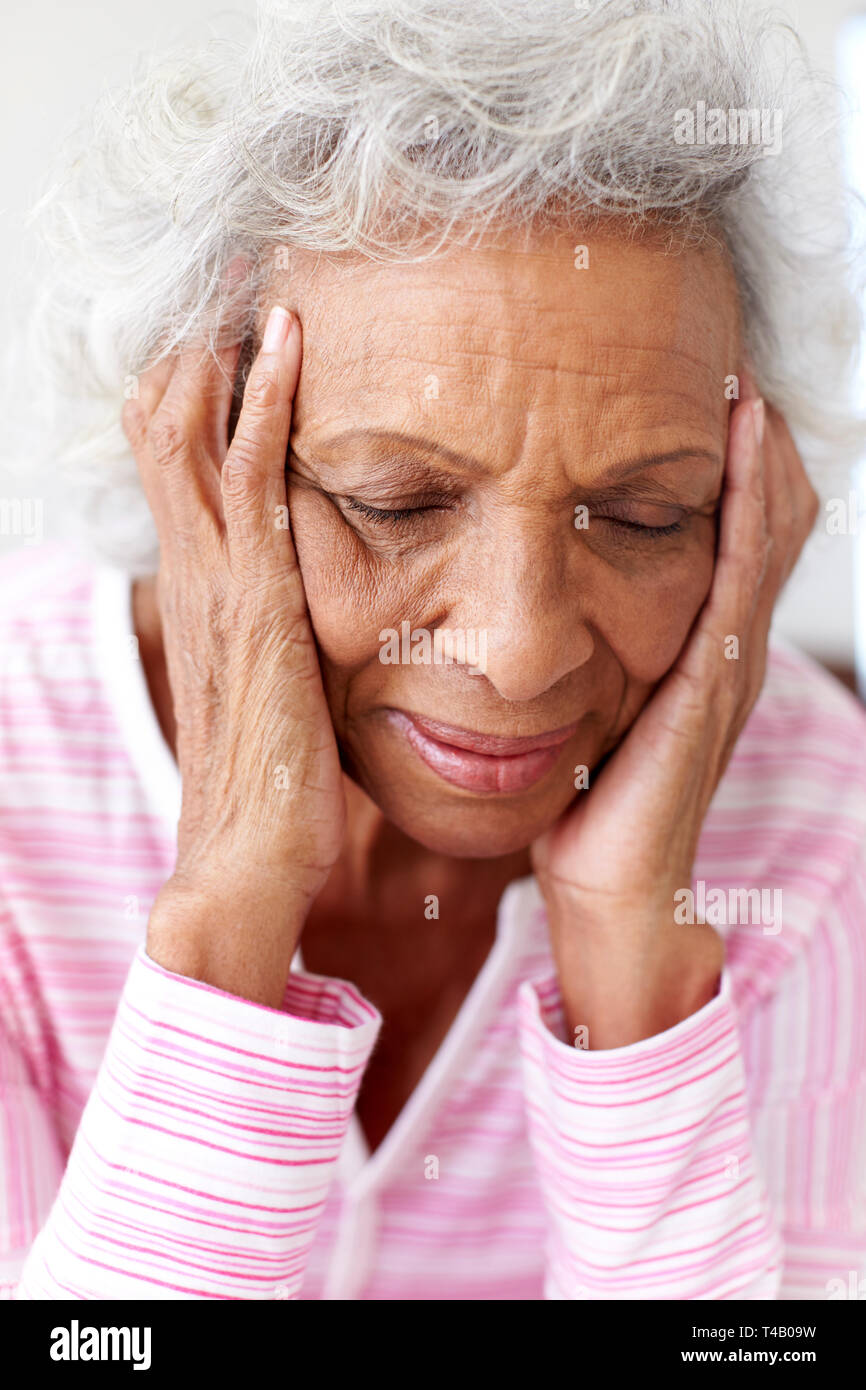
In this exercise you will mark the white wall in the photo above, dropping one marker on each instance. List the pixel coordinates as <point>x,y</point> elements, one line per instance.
<point>817,609</point>
<point>56,59</point>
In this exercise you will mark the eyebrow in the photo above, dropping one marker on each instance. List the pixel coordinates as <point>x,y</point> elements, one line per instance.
<point>392,440</point>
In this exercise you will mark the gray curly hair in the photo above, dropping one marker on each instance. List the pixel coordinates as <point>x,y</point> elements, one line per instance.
<point>390,128</point>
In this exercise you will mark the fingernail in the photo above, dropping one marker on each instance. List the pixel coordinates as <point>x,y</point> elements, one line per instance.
<point>758,418</point>
<point>276,329</point>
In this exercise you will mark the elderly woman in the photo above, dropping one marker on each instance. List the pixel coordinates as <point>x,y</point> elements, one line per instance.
<point>419,882</point>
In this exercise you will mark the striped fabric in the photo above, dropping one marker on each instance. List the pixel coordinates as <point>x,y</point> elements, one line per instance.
<point>163,1139</point>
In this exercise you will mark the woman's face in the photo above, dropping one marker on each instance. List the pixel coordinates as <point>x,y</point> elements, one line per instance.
<point>451,416</point>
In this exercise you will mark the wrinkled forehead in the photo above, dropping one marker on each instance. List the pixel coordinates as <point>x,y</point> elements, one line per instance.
<point>555,318</point>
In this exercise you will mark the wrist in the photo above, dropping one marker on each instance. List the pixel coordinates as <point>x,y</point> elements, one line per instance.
<point>237,938</point>
<point>633,973</point>
<point>593,909</point>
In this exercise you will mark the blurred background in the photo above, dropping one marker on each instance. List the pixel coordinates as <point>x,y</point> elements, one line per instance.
<point>56,60</point>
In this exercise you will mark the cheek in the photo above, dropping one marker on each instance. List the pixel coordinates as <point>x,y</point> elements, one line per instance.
<point>351,594</point>
<point>648,614</point>
<point>642,607</point>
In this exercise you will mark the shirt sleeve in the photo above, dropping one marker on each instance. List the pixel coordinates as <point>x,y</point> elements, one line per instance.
<point>205,1151</point>
<point>722,1158</point>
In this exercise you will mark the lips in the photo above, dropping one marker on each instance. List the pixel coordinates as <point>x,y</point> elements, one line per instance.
<point>482,763</point>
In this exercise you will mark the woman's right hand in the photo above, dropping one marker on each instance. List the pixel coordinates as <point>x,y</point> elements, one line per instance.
<point>263,808</point>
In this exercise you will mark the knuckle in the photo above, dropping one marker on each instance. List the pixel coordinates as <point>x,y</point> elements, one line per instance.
<point>754,568</point>
<point>237,473</point>
<point>764,558</point>
<point>167,440</point>
<point>263,389</point>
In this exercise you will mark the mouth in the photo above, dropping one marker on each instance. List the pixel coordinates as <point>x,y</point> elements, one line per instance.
<point>482,763</point>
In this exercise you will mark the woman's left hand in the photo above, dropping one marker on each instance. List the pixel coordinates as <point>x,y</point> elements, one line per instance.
<point>611,865</point>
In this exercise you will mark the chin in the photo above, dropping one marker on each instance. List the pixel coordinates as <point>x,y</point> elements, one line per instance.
<point>466,828</point>
<point>481,842</point>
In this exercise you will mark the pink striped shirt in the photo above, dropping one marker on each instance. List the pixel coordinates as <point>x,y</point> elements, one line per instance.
<point>163,1139</point>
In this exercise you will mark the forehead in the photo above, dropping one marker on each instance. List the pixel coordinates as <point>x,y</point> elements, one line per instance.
<point>632,327</point>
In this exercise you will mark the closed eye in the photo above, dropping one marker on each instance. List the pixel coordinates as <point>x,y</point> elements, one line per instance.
<point>650,531</point>
<point>394,515</point>
<point>383,515</point>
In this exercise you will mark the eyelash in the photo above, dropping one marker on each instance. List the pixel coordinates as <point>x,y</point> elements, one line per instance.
<point>378,514</point>
<point>655,532</point>
<point>404,513</point>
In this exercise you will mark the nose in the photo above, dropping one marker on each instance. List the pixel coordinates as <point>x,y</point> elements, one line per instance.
<point>525,601</point>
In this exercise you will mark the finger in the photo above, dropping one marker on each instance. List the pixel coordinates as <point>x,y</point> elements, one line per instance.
<point>791,506</point>
<point>744,541</point>
<point>779,513</point>
<point>199,392</point>
<point>198,396</point>
<point>139,406</point>
<point>136,416</point>
<point>792,502</point>
<point>185,442</point>
<point>152,384</point>
<point>748,383</point>
<point>253,477</point>
<point>804,499</point>
<point>779,503</point>
<point>734,675</point>
<point>179,429</point>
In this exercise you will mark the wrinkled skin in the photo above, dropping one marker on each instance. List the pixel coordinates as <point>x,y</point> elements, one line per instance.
<point>555,380</point>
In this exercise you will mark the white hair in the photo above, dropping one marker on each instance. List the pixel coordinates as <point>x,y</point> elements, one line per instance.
<point>391,128</point>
